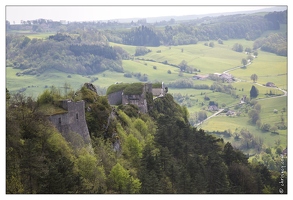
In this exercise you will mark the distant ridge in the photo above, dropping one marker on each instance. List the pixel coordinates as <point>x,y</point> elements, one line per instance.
<point>190,17</point>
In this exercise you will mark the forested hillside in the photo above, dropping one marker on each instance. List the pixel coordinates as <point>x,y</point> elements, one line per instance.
<point>129,152</point>
<point>86,53</point>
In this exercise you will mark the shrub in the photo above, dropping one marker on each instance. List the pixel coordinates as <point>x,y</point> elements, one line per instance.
<point>128,75</point>
<point>265,127</point>
<point>211,44</point>
<point>206,98</point>
<point>45,97</point>
<point>140,51</point>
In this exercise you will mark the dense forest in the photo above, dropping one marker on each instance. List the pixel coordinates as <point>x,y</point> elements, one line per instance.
<point>83,48</point>
<point>129,152</point>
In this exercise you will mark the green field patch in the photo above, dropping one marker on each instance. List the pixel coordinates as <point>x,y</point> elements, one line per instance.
<point>246,87</point>
<point>197,97</point>
<point>34,85</point>
<point>154,75</point>
<point>268,67</point>
<point>129,48</point>
<point>207,59</point>
<point>268,106</point>
<point>33,35</point>
<point>222,123</point>
<point>40,35</point>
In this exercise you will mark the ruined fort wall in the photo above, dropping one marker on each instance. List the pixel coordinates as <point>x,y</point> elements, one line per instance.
<point>73,120</point>
<point>115,98</point>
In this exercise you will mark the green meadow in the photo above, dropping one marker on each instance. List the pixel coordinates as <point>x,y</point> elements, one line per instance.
<point>267,115</point>
<point>207,59</point>
<point>197,96</point>
<point>147,67</point>
<point>33,35</point>
<point>35,85</point>
<point>268,67</point>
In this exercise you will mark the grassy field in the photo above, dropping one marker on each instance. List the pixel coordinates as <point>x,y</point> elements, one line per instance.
<point>207,59</point>
<point>222,122</point>
<point>197,96</point>
<point>37,84</point>
<point>269,105</point>
<point>130,49</point>
<point>158,74</point>
<point>31,35</point>
<point>268,67</point>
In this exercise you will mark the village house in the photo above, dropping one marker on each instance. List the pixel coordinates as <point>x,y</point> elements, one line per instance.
<point>231,113</point>
<point>213,108</point>
<point>226,77</point>
<point>199,77</point>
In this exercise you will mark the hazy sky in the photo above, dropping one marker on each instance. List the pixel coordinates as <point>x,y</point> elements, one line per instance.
<point>91,13</point>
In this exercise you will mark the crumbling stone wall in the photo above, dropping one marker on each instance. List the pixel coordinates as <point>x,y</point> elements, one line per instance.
<point>73,120</point>
<point>138,100</point>
<point>115,98</point>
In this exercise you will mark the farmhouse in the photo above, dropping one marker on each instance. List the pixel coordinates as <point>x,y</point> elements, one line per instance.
<point>243,99</point>
<point>230,113</point>
<point>226,77</point>
<point>199,77</point>
<point>213,108</point>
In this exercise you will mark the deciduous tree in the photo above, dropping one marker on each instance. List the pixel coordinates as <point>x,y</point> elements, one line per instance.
<point>254,77</point>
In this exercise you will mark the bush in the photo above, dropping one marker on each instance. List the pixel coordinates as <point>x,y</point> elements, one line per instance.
<point>265,127</point>
<point>211,44</point>
<point>202,115</point>
<point>181,83</point>
<point>140,51</point>
<point>46,97</point>
<point>268,150</point>
<point>128,75</point>
<point>143,77</point>
<point>206,98</point>
<point>169,71</point>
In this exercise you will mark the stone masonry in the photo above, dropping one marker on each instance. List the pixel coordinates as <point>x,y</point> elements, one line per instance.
<point>73,120</point>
